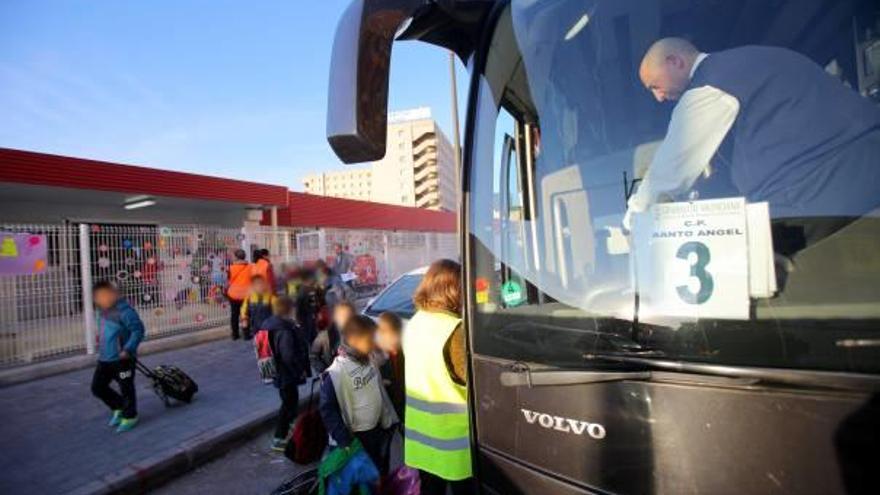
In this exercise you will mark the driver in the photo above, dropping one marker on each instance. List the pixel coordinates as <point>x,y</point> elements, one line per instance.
<point>798,138</point>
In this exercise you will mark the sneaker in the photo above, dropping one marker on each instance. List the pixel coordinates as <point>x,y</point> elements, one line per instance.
<point>278,444</point>
<point>115,418</point>
<point>126,424</point>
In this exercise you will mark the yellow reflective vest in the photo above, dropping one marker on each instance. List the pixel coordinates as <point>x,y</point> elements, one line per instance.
<point>436,437</point>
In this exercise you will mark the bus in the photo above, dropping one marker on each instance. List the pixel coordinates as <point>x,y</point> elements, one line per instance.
<point>723,337</point>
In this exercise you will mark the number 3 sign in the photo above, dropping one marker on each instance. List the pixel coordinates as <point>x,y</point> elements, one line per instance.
<point>692,260</point>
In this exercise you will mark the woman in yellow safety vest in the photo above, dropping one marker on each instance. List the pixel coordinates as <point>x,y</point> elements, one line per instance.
<point>436,437</point>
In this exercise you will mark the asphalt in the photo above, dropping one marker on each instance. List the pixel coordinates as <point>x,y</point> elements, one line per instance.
<point>249,469</point>
<point>54,437</point>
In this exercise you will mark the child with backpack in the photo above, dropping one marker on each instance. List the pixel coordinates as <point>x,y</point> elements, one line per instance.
<point>354,404</point>
<point>120,332</point>
<point>257,308</point>
<point>290,355</point>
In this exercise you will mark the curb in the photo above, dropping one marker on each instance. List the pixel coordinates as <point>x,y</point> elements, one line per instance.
<point>157,469</point>
<point>35,371</point>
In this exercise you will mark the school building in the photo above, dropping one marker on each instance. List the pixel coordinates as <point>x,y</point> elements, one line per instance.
<point>166,237</point>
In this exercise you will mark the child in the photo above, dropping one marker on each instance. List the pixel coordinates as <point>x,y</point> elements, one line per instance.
<point>257,307</point>
<point>308,305</point>
<point>292,280</point>
<point>353,401</point>
<point>388,339</point>
<point>327,342</point>
<point>120,331</point>
<point>291,356</point>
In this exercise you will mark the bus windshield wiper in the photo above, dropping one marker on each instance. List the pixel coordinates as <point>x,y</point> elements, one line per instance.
<point>646,367</point>
<point>521,374</point>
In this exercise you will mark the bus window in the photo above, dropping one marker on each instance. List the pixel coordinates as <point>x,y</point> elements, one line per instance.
<point>643,180</point>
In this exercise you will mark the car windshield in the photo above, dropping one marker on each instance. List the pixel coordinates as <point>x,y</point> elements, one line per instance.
<point>397,298</point>
<point>696,178</point>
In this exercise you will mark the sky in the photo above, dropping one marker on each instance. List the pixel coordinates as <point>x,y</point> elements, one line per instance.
<point>225,88</point>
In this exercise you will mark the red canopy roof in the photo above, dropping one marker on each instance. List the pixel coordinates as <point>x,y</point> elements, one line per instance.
<point>295,209</point>
<point>308,210</point>
<point>27,167</point>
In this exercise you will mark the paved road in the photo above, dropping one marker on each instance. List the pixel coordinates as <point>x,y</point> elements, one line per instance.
<point>53,433</point>
<point>251,469</point>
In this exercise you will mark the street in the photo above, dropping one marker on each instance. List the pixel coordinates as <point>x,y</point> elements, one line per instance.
<point>249,469</point>
<point>54,433</point>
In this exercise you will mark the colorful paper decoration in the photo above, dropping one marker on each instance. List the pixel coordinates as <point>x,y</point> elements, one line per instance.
<point>158,312</point>
<point>129,261</point>
<point>151,261</point>
<point>103,248</point>
<point>200,317</point>
<point>148,245</point>
<point>103,262</point>
<point>136,274</point>
<point>122,275</point>
<point>126,243</point>
<point>22,254</point>
<point>146,297</point>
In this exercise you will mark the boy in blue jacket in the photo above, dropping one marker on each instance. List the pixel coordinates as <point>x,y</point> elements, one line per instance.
<point>120,331</point>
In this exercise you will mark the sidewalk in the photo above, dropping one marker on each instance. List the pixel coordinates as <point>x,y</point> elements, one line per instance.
<point>53,433</point>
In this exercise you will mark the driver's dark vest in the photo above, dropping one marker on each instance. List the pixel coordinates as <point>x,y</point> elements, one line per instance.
<point>802,140</point>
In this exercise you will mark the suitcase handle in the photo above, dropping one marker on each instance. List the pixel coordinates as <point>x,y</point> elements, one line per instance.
<point>143,368</point>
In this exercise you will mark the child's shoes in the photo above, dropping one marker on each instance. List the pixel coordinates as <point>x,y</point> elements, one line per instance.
<point>115,418</point>
<point>278,444</point>
<point>126,424</point>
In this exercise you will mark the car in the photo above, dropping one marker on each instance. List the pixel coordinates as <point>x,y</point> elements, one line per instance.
<point>398,296</point>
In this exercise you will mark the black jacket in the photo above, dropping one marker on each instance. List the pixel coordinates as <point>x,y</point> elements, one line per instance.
<point>290,351</point>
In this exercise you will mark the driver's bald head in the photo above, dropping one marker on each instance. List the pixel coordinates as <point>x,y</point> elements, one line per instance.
<point>669,46</point>
<point>665,68</point>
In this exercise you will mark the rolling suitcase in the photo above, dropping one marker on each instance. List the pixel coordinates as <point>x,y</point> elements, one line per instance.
<point>169,382</point>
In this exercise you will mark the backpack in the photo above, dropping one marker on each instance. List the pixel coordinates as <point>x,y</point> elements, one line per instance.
<point>308,437</point>
<point>265,359</point>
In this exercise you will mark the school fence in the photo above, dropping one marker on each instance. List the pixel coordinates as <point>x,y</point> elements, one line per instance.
<point>174,275</point>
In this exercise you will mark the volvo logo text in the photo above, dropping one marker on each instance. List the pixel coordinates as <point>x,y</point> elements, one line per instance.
<point>565,425</point>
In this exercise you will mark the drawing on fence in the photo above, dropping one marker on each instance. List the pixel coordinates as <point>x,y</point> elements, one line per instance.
<point>22,253</point>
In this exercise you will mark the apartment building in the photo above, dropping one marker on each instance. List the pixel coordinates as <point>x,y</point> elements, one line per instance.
<point>418,168</point>
<point>354,183</point>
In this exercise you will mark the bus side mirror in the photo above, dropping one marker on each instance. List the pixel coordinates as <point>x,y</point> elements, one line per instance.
<point>357,104</point>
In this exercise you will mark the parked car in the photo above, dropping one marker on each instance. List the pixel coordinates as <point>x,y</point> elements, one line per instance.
<point>397,297</point>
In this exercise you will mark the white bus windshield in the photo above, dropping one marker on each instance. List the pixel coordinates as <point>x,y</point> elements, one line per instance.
<point>695,180</point>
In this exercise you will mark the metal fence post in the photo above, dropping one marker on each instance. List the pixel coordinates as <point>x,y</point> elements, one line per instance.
<point>322,245</point>
<point>387,247</point>
<point>85,270</point>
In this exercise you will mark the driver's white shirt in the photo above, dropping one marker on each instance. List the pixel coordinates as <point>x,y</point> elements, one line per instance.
<point>699,122</point>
